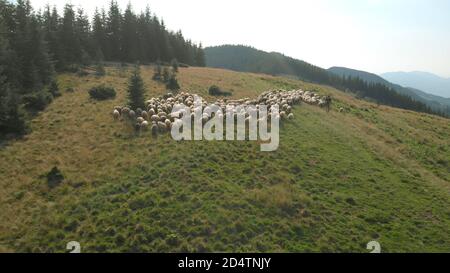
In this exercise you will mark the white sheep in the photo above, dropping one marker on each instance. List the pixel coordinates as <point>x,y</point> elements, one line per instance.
<point>116,114</point>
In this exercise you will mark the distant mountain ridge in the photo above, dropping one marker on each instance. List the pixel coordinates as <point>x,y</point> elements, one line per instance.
<point>363,85</point>
<point>425,81</point>
<point>436,103</point>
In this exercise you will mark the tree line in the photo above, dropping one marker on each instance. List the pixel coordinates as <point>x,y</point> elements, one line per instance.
<point>34,45</point>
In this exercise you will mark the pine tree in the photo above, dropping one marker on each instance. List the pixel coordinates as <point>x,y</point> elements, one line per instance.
<point>99,38</point>
<point>69,39</point>
<point>136,90</point>
<point>82,30</point>
<point>129,37</point>
<point>12,117</point>
<point>113,32</point>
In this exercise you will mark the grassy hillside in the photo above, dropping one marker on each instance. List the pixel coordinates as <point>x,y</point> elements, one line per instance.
<point>337,181</point>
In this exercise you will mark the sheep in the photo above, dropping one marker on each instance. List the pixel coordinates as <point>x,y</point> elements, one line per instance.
<point>140,120</point>
<point>162,127</point>
<point>118,108</point>
<point>151,112</point>
<point>283,115</point>
<point>125,110</point>
<point>139,112</point>
<point>155,118</point>
<point>144,125</point>
<point>154,129</point>
<point>144,115</point>
<point>168,124</point>
<point>291,116</point>
<point>116,114</point>
<point>137,127</point>
<point>132,114</point>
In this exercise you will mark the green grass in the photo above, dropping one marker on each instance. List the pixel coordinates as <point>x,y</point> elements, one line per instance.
<point>337,181</point>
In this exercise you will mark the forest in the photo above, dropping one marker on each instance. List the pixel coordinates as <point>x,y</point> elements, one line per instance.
<point>35,45</point>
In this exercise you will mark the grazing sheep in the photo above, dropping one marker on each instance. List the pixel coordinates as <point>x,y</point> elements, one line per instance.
<point>116,114</point>
<point>118,108</point>
<point>151,112</point>
<point>162,127</point>
<point>140,120</point>
<point>283,115</point>
<point>144,115</point>
<point>155,118</point>
<point>291,116</point>
<point>137,127</point>
<point>132,114</point>
<point>154,129</point>
<point>168,124</point>
<point>125,110</point>
<point>144,125</point>
<point>139,112</point>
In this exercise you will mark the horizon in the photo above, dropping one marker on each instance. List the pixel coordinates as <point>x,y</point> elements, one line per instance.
<point>365,30</point>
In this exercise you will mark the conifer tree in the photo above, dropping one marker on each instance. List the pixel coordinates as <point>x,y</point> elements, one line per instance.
<point>136,90</point>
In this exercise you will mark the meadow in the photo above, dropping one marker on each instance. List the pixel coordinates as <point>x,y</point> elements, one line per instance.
<point>337,181</point>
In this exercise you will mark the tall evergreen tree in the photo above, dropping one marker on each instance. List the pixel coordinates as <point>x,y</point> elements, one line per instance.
<point>68,37</point>
<point>129,37</point>
<point>114,24</point>
<point>136,90</point>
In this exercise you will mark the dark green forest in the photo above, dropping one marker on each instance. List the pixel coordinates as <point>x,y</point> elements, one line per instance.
<point>248,59</point>
<point>34,45</point>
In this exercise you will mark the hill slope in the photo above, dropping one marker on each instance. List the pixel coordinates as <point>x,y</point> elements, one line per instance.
<point>428,82</point>
<point>248,59</point>
<point>436,103</point>
<point>338,180</point>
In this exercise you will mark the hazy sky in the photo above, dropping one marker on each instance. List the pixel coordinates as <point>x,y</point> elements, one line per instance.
<point>372,35</point>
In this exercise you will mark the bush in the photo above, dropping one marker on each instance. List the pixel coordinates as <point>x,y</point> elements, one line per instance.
<point>175,65</point>
<point>214,90</point>
<point>166,75</point>
<point>54,177</point>
<point>100,70</point>
<point>54,89</point>
<point>102,92</point>
<point>37,101</point>
<point>157,76</point>
<point>172,83</point>
<point>12,116</point>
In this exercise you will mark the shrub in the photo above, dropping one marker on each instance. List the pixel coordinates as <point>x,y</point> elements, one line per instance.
<point>37,101</point>
<point>54,89</point>
<point>12,116</point>
<point>166,75</point>
<point>214,90</point>
<point>157,76</point>
<point>175,65</point>
<point>100,70</point>
<point>54,177</point>
<point>102,92</point>
<point>172,84</point>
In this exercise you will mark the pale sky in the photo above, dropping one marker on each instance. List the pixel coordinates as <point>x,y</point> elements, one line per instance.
<point>372,35</point>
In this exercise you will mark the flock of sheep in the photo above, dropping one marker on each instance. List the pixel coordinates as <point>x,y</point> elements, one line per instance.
<point>159,117</point>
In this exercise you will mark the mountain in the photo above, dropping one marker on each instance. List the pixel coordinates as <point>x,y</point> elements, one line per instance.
<point>425,81</point>
<point>437,103</point>
<point>249,59</point>
<point>337,181</point>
